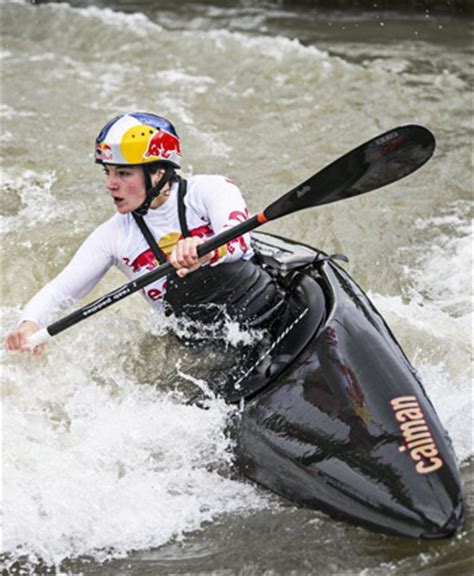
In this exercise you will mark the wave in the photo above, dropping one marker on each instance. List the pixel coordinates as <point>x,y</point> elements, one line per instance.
<point>434,319</point>
<point>96,463</point>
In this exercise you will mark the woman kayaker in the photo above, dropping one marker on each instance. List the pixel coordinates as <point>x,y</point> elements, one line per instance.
<point>160,216</point>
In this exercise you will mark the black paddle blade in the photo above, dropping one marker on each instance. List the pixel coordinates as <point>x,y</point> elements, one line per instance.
<point>376,163</point>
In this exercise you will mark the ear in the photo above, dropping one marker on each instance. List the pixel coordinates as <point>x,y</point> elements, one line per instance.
<point>156,176</point>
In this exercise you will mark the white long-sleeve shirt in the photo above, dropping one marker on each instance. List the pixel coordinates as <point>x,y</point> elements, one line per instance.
<point>213,204</point>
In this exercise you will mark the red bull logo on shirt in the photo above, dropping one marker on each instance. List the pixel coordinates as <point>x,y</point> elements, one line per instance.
<point>238,217</point>
<point>144,261</point>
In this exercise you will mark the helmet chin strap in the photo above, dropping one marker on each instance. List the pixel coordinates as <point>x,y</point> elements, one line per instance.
<point>153,192</point>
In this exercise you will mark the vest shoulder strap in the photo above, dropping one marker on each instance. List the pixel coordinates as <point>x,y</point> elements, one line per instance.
<point>157,251</point>
<point>182,189</point>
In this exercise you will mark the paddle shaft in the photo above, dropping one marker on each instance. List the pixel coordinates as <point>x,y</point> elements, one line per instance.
<point>148,278</point>
<point>378,162</point>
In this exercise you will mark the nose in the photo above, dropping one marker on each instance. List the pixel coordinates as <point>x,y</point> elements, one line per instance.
<point>111,182</point>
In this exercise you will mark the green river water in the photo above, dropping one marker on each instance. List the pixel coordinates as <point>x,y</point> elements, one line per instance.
<point>105,469</point>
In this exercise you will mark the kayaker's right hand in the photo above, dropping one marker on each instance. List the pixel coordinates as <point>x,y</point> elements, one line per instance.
<point>17,340</point>
<point>184,256</point>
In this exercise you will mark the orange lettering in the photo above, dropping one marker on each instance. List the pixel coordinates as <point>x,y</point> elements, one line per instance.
<point>425,439</point>
<point>414,430</point>
<point>425,451</point>
<point>409,414</point>
<point>404,402</point>
<point>436,464</point>
<point>416,434</point>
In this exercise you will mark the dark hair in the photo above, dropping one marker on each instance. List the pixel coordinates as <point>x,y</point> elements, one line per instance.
<point>152,167</point>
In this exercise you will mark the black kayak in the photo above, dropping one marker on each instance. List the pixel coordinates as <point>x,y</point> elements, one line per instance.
<point>337,418</point>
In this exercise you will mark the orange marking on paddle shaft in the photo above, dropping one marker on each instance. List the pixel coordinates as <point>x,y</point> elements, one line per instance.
<point>262,218</point>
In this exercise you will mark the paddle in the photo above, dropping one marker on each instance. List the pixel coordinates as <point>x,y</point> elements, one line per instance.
<point>376,163</point>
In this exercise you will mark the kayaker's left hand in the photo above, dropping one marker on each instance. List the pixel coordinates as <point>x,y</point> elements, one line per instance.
<point>185,257</point>
<point>17,340</point>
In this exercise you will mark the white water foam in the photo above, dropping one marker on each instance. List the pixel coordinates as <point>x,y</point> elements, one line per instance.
<point>134,23</point>
<point>22,2</point>
<point>7,112</point>
<point>230,332</point>
<point>275,47</point>
<point>96,463</point>
<point>447,276</point>
<point>32,192</point>
<point>435,323</point>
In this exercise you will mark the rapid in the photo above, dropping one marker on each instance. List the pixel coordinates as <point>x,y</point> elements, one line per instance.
<point>107,467</point>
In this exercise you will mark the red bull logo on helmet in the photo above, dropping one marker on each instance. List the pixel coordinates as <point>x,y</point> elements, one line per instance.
<point>103,152</point>
<point>163,146</point>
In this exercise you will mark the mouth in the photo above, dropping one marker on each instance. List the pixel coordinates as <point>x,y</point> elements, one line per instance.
<point>118,201</point>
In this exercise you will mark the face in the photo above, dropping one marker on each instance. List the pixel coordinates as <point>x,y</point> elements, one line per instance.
<point>126,185</point>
